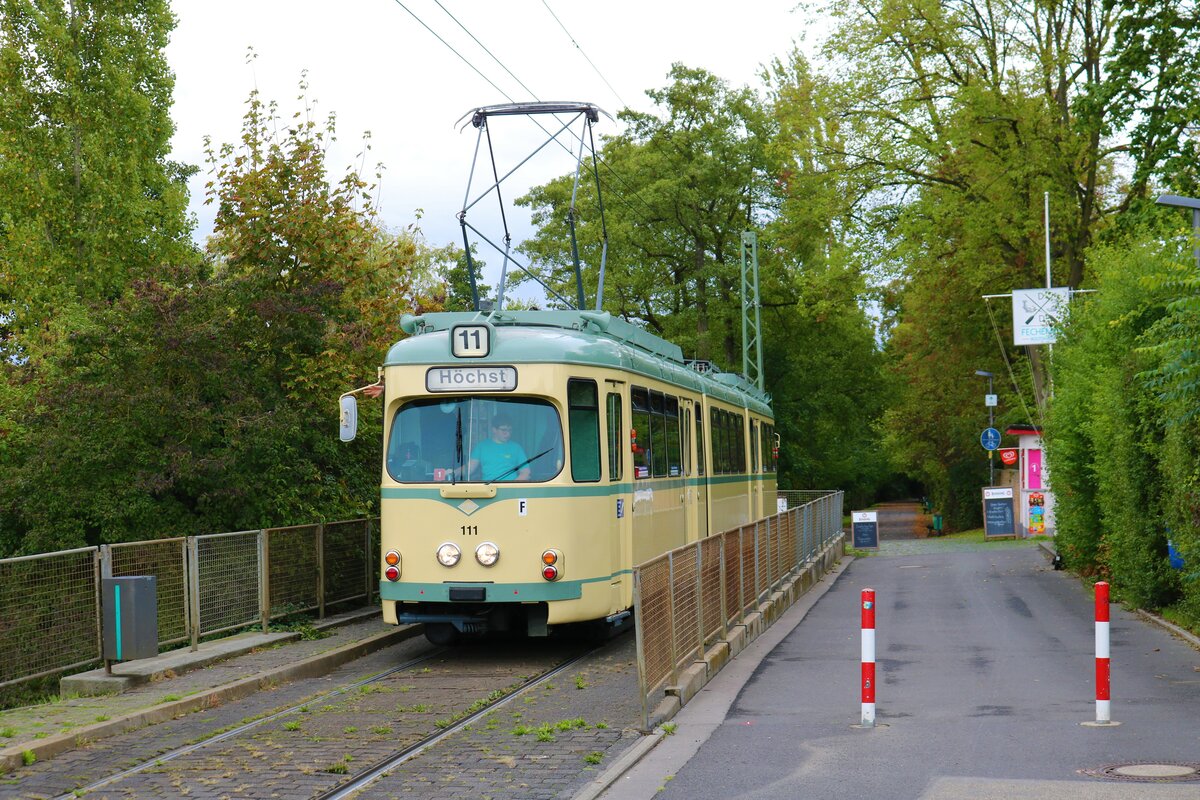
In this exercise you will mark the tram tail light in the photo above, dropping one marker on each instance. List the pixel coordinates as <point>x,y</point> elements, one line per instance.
<point>392,558</point>
<point>392,574</point>
<point>551,565</point>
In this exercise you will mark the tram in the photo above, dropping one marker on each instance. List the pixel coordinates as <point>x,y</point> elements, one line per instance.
<point>532,458</point>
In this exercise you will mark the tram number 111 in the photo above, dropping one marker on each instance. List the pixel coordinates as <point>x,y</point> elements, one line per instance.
<point>470,341</point>
<point>470,530</point>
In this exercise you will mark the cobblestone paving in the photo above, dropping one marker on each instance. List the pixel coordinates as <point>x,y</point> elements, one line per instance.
<point>579,719</point>
<point>543,746</point>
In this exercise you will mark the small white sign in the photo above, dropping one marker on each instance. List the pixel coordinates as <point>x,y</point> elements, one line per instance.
<point>997,493</point>
<point>864,516</point>
<point>1036,312</point>
<point>989,400</point>
<point>471,379</point>
<point>470,341</point>
<point>781,504</point>
<point>522,507</point>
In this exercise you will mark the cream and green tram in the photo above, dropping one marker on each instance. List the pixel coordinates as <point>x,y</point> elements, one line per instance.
<point>532,458</point>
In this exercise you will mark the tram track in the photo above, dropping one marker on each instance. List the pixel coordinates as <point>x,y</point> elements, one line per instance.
<point>446,689</point>
<point>244,728</point>
<point>379,769</point>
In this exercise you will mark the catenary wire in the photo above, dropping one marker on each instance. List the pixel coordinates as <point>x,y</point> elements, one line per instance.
<point>585,56</point>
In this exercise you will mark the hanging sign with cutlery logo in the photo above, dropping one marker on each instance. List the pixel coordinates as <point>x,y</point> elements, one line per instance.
<point>1037,314</point>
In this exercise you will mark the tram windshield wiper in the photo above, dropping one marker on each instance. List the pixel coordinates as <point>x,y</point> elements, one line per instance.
<point>520,466</point>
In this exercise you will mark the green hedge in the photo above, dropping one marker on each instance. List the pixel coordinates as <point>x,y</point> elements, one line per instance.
<point>1121,435</point>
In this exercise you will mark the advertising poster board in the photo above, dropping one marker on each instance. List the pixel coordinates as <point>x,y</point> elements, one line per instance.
<point>998,519</point>
<point>864,530</point>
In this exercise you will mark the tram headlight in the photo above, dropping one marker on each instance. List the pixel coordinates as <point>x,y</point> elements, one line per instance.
<point>448,554</point>
<point>487,554</point>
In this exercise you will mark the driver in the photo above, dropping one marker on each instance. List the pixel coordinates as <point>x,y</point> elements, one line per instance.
<point>497,458</point>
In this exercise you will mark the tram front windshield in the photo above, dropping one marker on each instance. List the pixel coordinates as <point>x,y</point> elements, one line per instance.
<point>475,439</point>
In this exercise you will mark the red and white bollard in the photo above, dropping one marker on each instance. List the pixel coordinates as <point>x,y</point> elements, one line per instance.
<point>1103,699</point>
<point>868,658</point>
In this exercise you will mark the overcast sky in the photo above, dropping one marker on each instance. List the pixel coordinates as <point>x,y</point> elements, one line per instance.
<point>376,66</point>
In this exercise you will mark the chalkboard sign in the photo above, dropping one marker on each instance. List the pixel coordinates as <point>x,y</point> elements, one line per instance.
<point>998,519</point>
<point>864,530</point>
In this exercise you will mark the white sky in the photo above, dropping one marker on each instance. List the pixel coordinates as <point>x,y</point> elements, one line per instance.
<point>374,65</point>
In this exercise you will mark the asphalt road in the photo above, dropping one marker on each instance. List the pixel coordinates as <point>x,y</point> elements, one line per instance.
<point>986,670</point>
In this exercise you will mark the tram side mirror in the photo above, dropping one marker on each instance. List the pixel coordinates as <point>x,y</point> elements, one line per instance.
<point>349,421</point>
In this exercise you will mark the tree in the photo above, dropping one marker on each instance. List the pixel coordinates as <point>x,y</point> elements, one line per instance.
<point>944,122</point>
<point>681,187</point>
<point>88,199</point>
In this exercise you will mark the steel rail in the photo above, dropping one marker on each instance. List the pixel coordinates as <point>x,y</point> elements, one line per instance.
<point>386,765</point>
<point>232,732</point>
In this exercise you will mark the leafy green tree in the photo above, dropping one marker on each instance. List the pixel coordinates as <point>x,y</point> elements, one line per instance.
<point>680,188</point>
<point>943,122</point>
<point>88,199</point>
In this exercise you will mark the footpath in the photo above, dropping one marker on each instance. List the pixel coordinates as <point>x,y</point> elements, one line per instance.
<point>153,690</point>
<point>985,685</point>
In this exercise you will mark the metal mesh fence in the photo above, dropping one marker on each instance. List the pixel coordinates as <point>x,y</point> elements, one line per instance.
<point>732,544</point>
<point>295,569</point>
<point>48,613</point>
<point>678,596</point>
<point>710,587</point>
<point>49,603</point>
<point>166,560</point>
<point>655,633</point>
<point>349,554</point>
<point>685,599</point>
<point>227,572</point>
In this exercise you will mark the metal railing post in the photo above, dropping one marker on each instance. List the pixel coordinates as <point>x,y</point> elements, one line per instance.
<point>193,589</point>
<point>721,586</point>
<point>264,580</point>
<point>640,646</point>
<point>320,570</point>
<point>671,616</point>
<point>368,561</point>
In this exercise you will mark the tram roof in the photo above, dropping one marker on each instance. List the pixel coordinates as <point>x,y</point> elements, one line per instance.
<point>570,337</point>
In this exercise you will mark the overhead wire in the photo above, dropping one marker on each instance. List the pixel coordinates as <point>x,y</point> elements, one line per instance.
<point>616,94</point>
<point>617,195</point>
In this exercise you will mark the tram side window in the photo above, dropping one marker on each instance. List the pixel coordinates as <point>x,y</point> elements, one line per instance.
<point>658,435</point>
<point>687,441</point>
<point>720,429</point>
<point>639,399</point>
<point>699,441</point>
<point>739,429</point>
<point>674,454</point>
<point>583,419</point>
<point>755,464</point>
<point>616,453</point>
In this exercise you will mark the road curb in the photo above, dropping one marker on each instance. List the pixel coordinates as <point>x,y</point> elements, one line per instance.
<point>15,755</point>
<point>625,762</point>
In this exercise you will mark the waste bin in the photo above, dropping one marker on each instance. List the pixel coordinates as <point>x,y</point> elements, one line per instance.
<point>130,617</point>
<point>937,524</point>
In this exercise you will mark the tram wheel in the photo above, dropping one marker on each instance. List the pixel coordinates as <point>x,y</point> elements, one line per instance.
<point>441,633</point>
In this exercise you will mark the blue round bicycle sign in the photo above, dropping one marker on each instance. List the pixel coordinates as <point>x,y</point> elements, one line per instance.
<point>990,438</point>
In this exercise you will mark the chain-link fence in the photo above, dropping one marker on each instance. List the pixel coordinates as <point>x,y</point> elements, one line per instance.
<point>687,599</point>
<point>50,604</point>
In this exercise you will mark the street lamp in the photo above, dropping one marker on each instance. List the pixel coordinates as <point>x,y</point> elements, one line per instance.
<point>1194,205</point>
<point>991,424</point>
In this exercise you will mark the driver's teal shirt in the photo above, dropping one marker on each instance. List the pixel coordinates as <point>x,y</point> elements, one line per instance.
<point>498,460</point>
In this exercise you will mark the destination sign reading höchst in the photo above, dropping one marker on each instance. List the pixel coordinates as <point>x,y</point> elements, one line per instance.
<point>471,379</point>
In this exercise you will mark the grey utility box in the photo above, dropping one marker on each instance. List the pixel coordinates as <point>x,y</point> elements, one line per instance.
<point>130,609</point>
